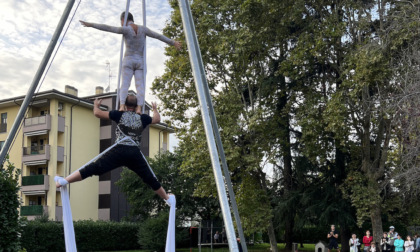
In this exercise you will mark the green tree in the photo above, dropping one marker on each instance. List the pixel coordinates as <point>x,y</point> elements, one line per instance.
<point>242,44</point>
<point>144,203</point>
<point>302,86</point>
<point>9,203</point>
<point>363,103</point>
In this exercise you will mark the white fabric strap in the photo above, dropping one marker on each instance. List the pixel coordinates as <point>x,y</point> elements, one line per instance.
<point>170,236</point>
<point>69,237</point>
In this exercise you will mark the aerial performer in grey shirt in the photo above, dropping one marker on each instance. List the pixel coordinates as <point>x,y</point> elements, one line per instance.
<point>134,37</point>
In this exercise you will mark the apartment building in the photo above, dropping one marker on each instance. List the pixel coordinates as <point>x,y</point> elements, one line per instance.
<point>59,135</point>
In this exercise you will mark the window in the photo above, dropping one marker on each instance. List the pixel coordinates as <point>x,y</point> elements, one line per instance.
<point>1,145</point>
<point>3,122</point>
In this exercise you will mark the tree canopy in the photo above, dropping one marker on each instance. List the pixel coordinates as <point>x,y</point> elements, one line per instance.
<point>317,103</point>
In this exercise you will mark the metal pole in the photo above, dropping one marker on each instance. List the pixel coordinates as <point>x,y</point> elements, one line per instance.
<point>199,76</point>
<point>35,81</point>
<point>127,7</point>
<point>225,168</point>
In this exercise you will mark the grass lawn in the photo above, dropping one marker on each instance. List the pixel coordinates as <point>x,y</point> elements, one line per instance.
<point>264,247</point>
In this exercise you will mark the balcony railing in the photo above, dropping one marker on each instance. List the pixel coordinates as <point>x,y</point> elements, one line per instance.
<point>31,121</point>
<point>35,185</point>
<point>32,210</point>
<point>37,125</point>
<point>33,180</point>
<point>36,154</point>
<point>35,150</point>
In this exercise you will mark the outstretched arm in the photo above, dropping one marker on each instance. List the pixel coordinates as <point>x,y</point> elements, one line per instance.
<point>98,112</point>
<point>103,27</point>
<point>156,115</point>
<point>163,38</point>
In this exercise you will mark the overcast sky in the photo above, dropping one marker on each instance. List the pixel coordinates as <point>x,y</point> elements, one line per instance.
<point>28,25</point>
<point>27,28</point>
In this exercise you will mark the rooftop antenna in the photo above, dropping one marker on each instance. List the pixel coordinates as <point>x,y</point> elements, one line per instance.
<point>110,76</point>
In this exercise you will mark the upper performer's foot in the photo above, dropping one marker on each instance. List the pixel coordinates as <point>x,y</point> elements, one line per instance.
<point>123,107</point>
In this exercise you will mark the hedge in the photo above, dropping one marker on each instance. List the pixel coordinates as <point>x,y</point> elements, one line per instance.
<point>90,236</point>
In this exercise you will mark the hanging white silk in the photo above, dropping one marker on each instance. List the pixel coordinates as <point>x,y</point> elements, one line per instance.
<point>170,237</point>
<point>69,237</point>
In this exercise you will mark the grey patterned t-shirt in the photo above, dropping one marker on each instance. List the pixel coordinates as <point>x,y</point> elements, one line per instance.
<point>129,124</point>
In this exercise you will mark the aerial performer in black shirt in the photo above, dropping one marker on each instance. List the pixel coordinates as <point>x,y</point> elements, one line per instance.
<point>134,37</point>
<point>127,152</point>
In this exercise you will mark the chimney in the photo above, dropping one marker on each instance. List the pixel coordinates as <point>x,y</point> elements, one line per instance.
<point>70,90</point>
<point>99,90</point>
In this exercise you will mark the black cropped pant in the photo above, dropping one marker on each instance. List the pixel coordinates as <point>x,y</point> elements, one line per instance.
<point>123,155</point>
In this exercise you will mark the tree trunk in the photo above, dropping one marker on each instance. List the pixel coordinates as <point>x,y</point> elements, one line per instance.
<point>285,146</point>
<point>272,237</point>
<point>375,216</point>
<point>288,236</point>
<point>345,235</point>
<point>270,229</point>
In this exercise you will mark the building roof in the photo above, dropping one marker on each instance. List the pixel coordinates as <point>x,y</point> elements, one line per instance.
<point>42,98</point>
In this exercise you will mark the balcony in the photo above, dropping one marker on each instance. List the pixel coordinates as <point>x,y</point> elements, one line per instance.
<point>31,212</point>
<point>40,125</point>
<point>35,185</point>
<point>36,155</point>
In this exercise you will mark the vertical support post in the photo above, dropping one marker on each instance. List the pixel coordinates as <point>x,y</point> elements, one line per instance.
<point>35,81</point>
<point>201,84</point>
<point>127,7</point>
<point>211,236</point>
<point>144,56</point>
<point>199,238</point>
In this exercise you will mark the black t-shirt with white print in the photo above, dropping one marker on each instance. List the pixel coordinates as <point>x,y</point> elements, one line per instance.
<point>129,124</point>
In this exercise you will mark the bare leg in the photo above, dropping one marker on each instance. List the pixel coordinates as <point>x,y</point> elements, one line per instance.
<point>127,75</point>
<point>74,177</point>
<point>162,193</point>
<point>140,88</point>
